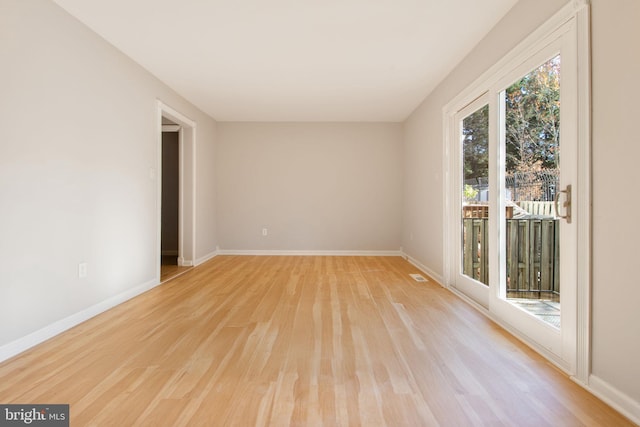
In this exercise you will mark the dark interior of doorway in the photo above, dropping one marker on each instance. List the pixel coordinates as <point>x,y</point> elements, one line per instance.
<point>170,198</point>
<point>170,211</point>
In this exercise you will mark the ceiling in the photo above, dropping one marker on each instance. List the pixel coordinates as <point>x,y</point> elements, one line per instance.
<point>295,60</point>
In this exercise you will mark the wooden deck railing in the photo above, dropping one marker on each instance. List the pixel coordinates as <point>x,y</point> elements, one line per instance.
<point>532,252</point>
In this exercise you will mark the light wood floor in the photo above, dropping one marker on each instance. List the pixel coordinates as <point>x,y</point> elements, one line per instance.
<point>303,341</point>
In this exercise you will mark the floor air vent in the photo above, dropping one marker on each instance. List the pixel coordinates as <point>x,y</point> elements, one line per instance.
<point>418,278</point>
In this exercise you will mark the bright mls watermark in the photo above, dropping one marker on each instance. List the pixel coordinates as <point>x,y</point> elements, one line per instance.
<point>34,415</point>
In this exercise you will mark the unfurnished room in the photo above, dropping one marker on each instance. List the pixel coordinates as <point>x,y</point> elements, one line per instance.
<point>319,213</point>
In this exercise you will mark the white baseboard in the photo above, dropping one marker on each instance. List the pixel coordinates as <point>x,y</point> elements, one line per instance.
<point>306,253</point>
<point>426,270</point>
<point>206,258</point>
<point>615,398</point>
<point>184,262</point>
<point>22,344</point>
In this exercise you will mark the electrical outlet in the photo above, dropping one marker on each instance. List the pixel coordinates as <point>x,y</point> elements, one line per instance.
<point>82,270</point>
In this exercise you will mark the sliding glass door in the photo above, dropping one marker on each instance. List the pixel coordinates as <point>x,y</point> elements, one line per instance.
<point>513,243</point>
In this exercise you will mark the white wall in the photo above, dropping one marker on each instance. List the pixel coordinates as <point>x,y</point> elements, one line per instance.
<point>616,152</point>
<point>422,236</point>
<point>616,68</point>
<point>79,137</point>
<point>314,186</point>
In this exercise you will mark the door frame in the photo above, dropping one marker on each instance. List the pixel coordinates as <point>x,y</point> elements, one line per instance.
<point>187,185</point>
<point>575,15</point>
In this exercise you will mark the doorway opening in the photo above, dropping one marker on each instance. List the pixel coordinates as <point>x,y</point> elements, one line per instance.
<point>176,199</point>
<point>170,203</point>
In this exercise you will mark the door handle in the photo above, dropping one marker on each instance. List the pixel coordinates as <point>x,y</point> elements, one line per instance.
<point>566,204</point>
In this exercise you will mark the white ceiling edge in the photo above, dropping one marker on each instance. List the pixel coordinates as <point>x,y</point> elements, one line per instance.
<point>283,61</point>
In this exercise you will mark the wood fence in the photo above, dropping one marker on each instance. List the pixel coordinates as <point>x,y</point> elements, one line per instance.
<point>532,253</point>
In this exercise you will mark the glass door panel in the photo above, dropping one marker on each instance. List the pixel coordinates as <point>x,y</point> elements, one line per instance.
<point>470,207</point>
<point>474,196</point>
<point>530,180</point>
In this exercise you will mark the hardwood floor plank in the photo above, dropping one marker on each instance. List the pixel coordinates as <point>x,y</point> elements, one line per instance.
<point>300,341</point>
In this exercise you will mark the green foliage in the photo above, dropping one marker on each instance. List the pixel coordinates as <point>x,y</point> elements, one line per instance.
<point>470,193</point>
<point>475,131</point>
<point>532,120</point>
